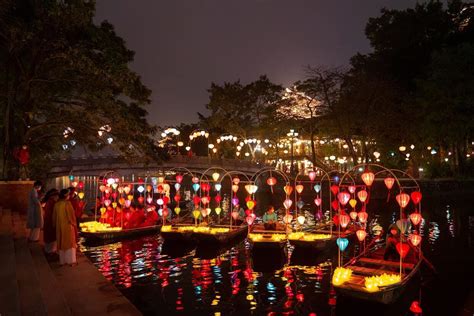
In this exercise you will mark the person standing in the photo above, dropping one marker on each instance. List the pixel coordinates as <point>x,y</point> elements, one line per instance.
<point>65,223</point>
<point>49,233</point>
<point>34,214</point>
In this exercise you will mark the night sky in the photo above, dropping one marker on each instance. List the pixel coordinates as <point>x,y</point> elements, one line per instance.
<point>183,45</point>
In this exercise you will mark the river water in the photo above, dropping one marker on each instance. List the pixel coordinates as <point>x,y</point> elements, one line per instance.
<point>162,280</point>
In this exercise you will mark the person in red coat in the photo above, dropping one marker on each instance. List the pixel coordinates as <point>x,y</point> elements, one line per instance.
<point>49,231</point>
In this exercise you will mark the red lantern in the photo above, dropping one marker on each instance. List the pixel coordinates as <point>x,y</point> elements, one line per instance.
<point>362,217</point>
<point>389,182</point>
<point>344,220</point>
<point>299,188</point>
<point>343,197</point>
<point>416,218</point>
<point>196,199</point>
<point>235,215</point>
<point>218,198</point>
<point>403,199</point>
<point>361,234</point>
<point>415,239</point>
<point>335,205</point>
<point>416,197</point>
<point>335,219</point>
<point>353,215</point>
<point>165,212</point>
<point>271,181</point>
<point>362,195</point>
<point>415,308</point>
<point>312,175</point>
<point>179,178</point>
<point>177,198</point>
<point>166,199</point>
<point>140,199</point>
<point>368,178</point>
<point>80,185</point>
<point>402,249</point>
<point>334,189</point>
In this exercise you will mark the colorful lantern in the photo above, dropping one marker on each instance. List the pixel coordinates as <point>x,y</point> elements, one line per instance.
<point>361,234</point>
<point>317,201</point>
<point>107,202</point>
<point>218,210</point>
<point>205,186</point>
<point>402,249</point>
<point>343,197</point>
<point>128,203</point>
<point>344,220</point>
<point>177,198</point>
<point>177,186</point>
<point>177,210</point>
<point>368,178</point>
<point>140,189</point>
<point>235,201</point>
<point>402,224</point>
<point>165,212</point>
<point>126,189</point>
<point>205,200</point>
<point>80,195</point>
<point>251,204</point>
<point>342,243</point>
<point>236,180</point>
<point>235,215</point>
<point>335,205</point>
<point>235,188</point>
<point>179,178</point>
<point>415,308</point>
<point>196,199</point>
<point>312,175</point>
<point>195,180</point>
<point>334,189</point>
<point>215,176</point>
<point>218,198</point>
<point>353,215</point>
<point>363,217</point>
<point>287,218</point>
<point>249,219</point>
<point>353,203</point>
<point>251,188</point>
<point>389,182</point>
<point>196,213</point>
<point>301,219</point>
<point>299,188</point>
<point>196,187</point>
<point>416,218</point>
<point>403,199</point>
<point>288,189</point>
<point>140,199</point>
<point>287,203</point>
<point>300,204</point>
<point>317,188</point>
<point>149,200</point>
<point>415,239</point>
<point>218,186</point>
<point>351,189</point>
<point>271,181</point>
<point>416,197</point>
<point>362,195</point>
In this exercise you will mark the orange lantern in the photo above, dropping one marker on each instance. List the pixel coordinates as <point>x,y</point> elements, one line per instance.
<point>236,180</point>
<point>344,220</point>
<point>271,181</point>
<point>363,217</point>
<point>368,178</point>
<point>353,215</point>
<point>361,234</point>
<point>389,181</point>
<point>299,188</point>
<point>416,218</point>
<point>288,189</point>
<point>362,195</point>
<point>235,188</point>
<point>415,239</point>
<point>403,199</point>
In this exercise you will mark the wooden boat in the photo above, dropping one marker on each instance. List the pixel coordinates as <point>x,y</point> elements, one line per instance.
<point>260,238</point>
<point>177,233</point>
<point>318,240</point>
<point>101,236</point>
<point>370,265</point>
<point>220,235</point>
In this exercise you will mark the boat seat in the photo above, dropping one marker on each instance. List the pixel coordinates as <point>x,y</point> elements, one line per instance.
<point>379,262</point>
<point>370,271</point>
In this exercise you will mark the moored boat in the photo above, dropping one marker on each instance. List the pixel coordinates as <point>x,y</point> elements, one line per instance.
<point>267,239</point>
<point>116,234</point>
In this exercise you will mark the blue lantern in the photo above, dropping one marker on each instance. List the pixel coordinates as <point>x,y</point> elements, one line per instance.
<point>300,204</point>
<point>317,188</point>
<point>196,187</point>
<point>71,177</point>
<point>342,243</point>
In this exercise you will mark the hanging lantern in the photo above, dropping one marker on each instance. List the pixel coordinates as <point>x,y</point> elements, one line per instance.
<point>195,180</point>
<point>353,215</point>
<point>343,197</point>
<point>196,187</point>
<point>368,178</point>
<point>344,220</point>
<point>121,201</point>
<point>317,188</point>
<point>389,181</point>
<point>140,199</point>
<point>362,195</point>
<point>196,199</point>
<point>287,203</point>
<point>205,200</point>
<point>218,198</point>
<point>351,189</point>
<point>114,185</point>
<point>205,186</point>
<point>215,176</point>
<point>235,201</point>
<point>177,186</point>
<point>127,203</point>
<point>288,189</point>
<point>353,203</point>
<point>415,308</point>
<point>361,234</point>
<point>107,202</point>
<point>249,219</point>
<point>159,202</point>
<point>403,199</point>
<point>159,188</point>
<point>271,181</point>
<point>362,217</point>
<point>300,204</point>
<point>317,201</point>
<point>402,249</point>
<point>335,205</point>
<point>165,212</point>
<point>218,186</point>
<point>342,243</point>
<point>301,219</point>
<point>236,180</point>
<point>416,197</point>
<point>235,188</point>
<point>196,213</point>
<point>299,188</point>
<point>149,200</point>
<point>126,189</point>
<point>140,189</point>
<point>402,224</point>
<point>287,218</point>
<point>110,181</point>
<point>177,198</point>
<point>218,210</point>
<point>415,239</point>
<point>251,188</point>
<point>416,218</point>
<point>179,178</point>
<point>80,195</point>
<point>177,210</point>
<point>166,187</point>
<point>235,215</point>
<point>149,188</point>
<point>250,204</point>
<point>334,189</point>
<point>160,179</point>
<point>312,175</point>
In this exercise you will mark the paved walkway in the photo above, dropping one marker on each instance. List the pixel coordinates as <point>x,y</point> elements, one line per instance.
<point>32,286</point>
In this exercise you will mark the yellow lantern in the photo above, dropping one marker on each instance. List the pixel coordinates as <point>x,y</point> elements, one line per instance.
<point>177,210</point>
<point>196,213</point>
<point>218,210</point>
<point>130,197</point>
<point>80,195</point>
<point>215,176</point>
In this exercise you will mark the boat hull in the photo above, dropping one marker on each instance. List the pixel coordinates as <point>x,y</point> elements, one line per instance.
<point>121,234</point>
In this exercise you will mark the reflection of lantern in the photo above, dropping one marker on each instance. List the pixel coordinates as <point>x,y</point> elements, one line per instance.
<point>299,188</point>
<point>362,217</point>
<point>287,203</point>
<point>389,182</point>
<point>353,203</point>
<point>271,181</point>
<point>361,234</point>
<point>301,219</point>
<point>353,215</point>
<point>287,218</point>
<point>415,218</point>
<point>288,189</point>
<point>312,175</point>
<point>342,243</point>
<point>317,201</point>
<point>344,220</point>
<point>403,199</point>
<point>362,195</point>
<point>343,197</point>
<point>402,249</point>
<point>416,197</point>
<point>368,178</point>
<point>415,239</point>
<point>215,176</point>
<point>351,189</point>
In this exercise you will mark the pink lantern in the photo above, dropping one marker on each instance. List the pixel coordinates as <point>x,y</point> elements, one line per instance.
<point>312,175</point>
<point>389,182</point>
<point>195,180</point>
<point>128,203</point>
<point>235,215</point>
<point>249,219</point>
<point>344,220</point>
<point>362,217</point>
<point>351,189</point>
<point>179,178</point>
<point>353,215</point>
<point>368,178</point>
<point>362,195</point>
<point>317,201</point>
<point>343,197</point>
<point>287,203</point>
<point>416,218</point>
<point>403,199</point>
<point>361,234</point>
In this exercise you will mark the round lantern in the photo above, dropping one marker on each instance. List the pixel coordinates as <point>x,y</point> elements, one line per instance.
<point>271,181</point>
<point>250,204</point>
<point>177,198</point>
<point>362,217</point>
<point>249,219</point>
<point>361,234</point>
<point>362,195</point>
<point>126,189</point>
<point>195,180</point>
<point>343,197</point>
<point>235,201</point>
<point>344,220</point>
<point>416,197</point>
<point>389,181</point>
<point>368,178</point>
<point>205,200</point>
<point>403,199</point>
<point>251,188</point>
<point>416,218</point>
<point>351,189</point>
<point>218,198</point>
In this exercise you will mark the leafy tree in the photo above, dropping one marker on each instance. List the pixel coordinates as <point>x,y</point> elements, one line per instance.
<point>64,79</point>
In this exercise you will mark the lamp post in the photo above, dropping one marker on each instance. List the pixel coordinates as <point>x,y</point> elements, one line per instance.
<point>292,135</point>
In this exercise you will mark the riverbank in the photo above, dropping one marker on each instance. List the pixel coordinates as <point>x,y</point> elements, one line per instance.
<point>34,286</point>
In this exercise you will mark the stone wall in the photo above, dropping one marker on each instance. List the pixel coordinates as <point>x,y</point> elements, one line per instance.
<point>14,195</point>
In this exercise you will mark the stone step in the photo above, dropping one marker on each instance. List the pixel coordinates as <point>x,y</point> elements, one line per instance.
<point>9,294</point>
<point>31,301</point>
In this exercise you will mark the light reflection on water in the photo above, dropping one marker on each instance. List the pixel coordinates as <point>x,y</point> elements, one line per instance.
<point>163,282</point>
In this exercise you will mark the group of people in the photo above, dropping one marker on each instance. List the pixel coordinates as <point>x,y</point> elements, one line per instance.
<point>56,213</point>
